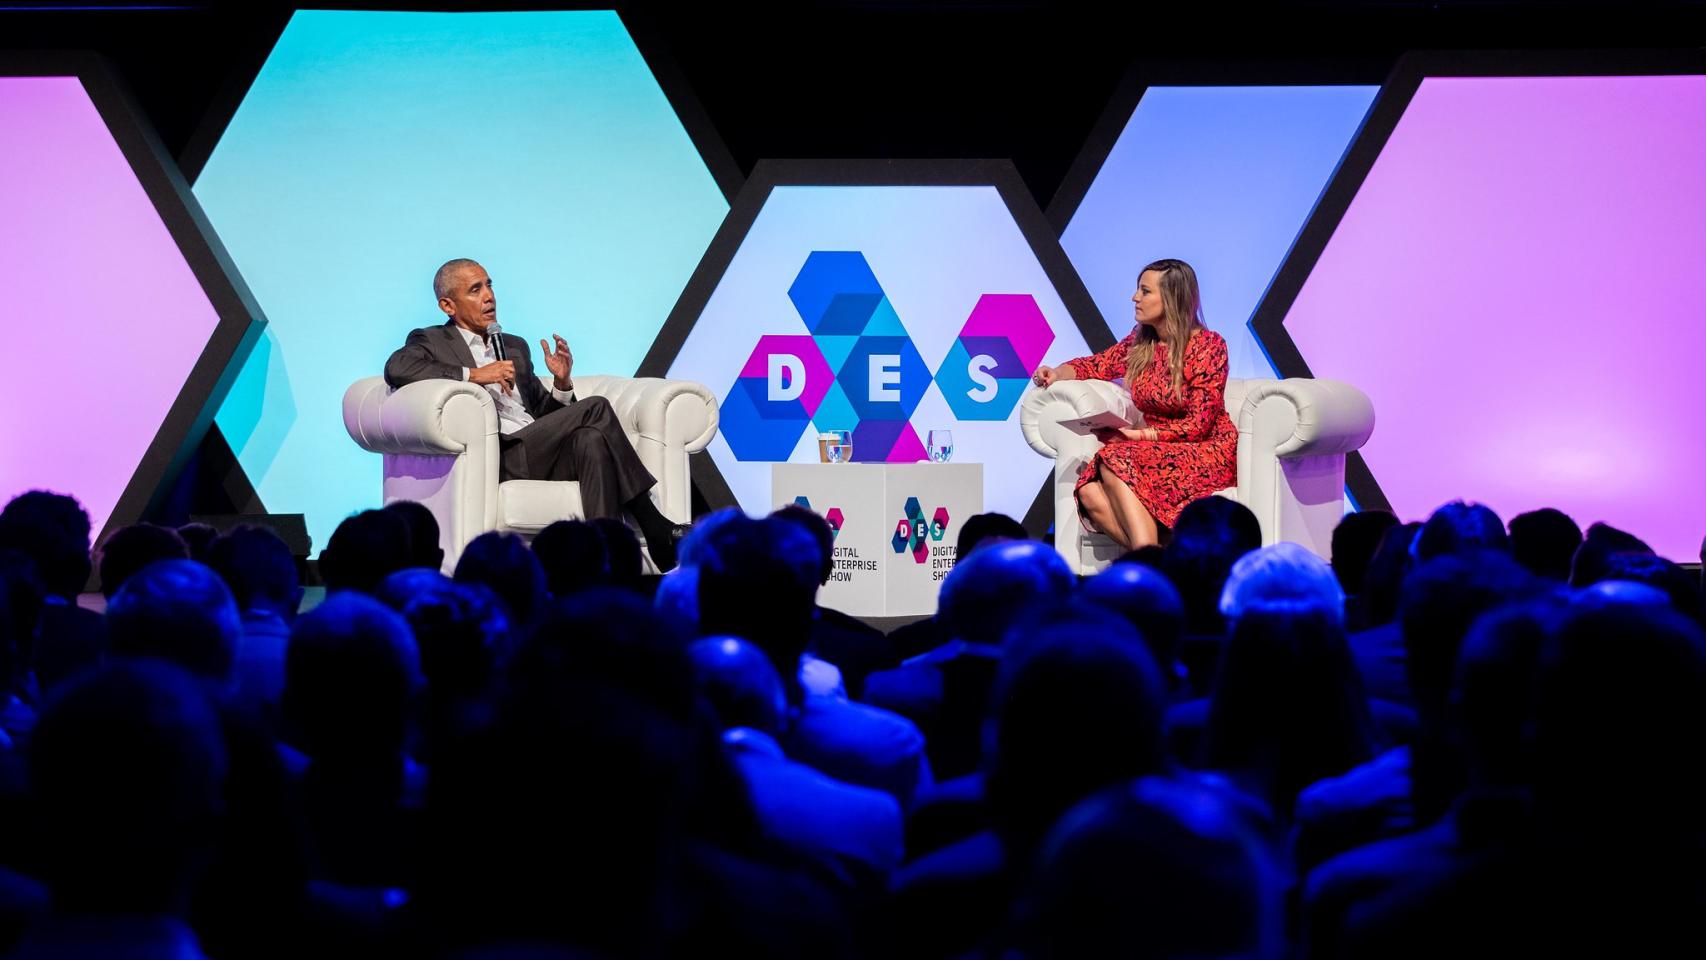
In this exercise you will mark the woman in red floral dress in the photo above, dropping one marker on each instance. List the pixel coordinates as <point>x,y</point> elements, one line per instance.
<point>1187,447</point>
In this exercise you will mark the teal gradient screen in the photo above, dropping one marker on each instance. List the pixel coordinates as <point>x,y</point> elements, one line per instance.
<point>373,146</point>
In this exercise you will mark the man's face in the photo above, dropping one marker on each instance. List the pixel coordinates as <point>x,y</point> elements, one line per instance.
<point>471,302</point>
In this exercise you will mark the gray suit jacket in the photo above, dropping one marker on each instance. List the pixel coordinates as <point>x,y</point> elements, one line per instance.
<point>440,353</point>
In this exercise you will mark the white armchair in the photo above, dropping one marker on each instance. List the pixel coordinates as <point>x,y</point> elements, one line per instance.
<point>439,439</point>
<point>1292,439</point>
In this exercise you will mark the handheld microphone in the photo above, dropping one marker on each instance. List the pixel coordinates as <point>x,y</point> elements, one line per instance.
<point>495,335</point>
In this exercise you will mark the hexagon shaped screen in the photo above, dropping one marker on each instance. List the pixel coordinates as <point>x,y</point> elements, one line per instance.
<point>925,306</point>
<point>109,319</point>
<point>1239,173</point>
<point>1517,285</point>
<point>373,146</point>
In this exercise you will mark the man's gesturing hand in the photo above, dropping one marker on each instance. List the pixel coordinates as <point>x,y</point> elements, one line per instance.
<point>560,362</point>
<point>499,372</point>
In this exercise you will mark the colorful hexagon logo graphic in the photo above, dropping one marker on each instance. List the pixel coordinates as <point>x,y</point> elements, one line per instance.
<point>134,312</point>
<point>836,293</point>
<point>773,399</point>
<point>990,364</point>
<point>903,274</point>
<point>833,516</point>
<point>912,532</point>
<point>1513,208</point>
<point>582,193</point>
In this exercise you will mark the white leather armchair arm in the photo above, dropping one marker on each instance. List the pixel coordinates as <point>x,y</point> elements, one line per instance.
<point>1292,439</point>
<point>1302,418</point>
<point>675,412</point>
<point>426,417</point>
<point>667,420</point>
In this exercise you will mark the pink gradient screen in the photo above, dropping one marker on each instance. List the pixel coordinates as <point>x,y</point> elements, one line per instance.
<point>103,318</point>
<point>1520,287</point>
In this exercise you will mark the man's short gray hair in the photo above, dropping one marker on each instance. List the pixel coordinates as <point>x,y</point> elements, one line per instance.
<point>441,280</point>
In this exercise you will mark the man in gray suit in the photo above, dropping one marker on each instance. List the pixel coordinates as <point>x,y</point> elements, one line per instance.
<point>546,434</point>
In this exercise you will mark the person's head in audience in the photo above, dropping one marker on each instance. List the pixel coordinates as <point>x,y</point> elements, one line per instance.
<point>129,549</point>
<point>51,529</point>
<point>127,771</point>
<point>462,630</point>
<point>1492,695</point>
<point>1284,572</point>
<point>1460,527</point>
<point>1354,543</point>
<point>1655,571</point>
<point>759,582</point>
<point>696,547</point>
<point>562,822</point>
<point>260,571</point>
<point>1077,707</point>
<point>1441,600</point>
<point>1148,601</point>
<point>1288,706</point>
<point>197,537</point>
<point>739,683</point>
<point>462,633</point>
<point>1156,868</point>
<point>1544,540</point>
<point>1151,555</point>
<point>1621,713</point>
<point>1221,513</point>
<point>573,555</point>
<point>424,550</point>
<point>989,592</point>
<point>351,676</point>
<point>22,595</point>
<point>364,549</point>
<point>1384,579</point>
<point>623,549</point>
<point>821,533</point>
<point>180,611</point>
<point>677,595</point>
<point>502,562</point>
<point>985,528</point>
<point>1198,560</point>
<point>1601,542</point>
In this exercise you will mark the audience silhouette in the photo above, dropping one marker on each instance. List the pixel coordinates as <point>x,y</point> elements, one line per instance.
<point>1454,738</point>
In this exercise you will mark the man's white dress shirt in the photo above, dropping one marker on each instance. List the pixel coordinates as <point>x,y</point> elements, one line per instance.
<point>512,413</point>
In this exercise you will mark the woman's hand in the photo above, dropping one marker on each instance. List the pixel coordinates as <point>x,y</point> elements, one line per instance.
<point>1044,376</point>
<point>1109,434</point>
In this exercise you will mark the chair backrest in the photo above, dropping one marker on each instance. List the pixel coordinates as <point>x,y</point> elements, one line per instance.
<point>1235,392</point>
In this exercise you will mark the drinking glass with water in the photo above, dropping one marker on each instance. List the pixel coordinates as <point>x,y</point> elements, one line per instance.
<point>941,446</point>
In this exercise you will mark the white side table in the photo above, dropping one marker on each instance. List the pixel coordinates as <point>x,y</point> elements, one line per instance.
<point>896,524</point>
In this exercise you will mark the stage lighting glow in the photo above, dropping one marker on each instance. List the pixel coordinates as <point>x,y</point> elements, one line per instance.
<point>1220,177</point>
<point>1517,286</point>
<point>375,145</point>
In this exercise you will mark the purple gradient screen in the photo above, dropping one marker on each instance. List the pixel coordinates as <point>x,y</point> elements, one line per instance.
<point>104,319</point>
<point>1520,287</point>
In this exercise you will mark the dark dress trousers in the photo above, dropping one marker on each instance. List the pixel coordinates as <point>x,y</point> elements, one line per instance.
<point>580,441</point>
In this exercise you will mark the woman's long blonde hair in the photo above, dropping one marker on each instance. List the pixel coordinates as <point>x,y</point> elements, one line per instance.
<point>1182,303</point>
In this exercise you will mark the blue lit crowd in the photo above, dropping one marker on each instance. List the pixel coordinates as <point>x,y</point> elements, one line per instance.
<point>1459,737</point>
